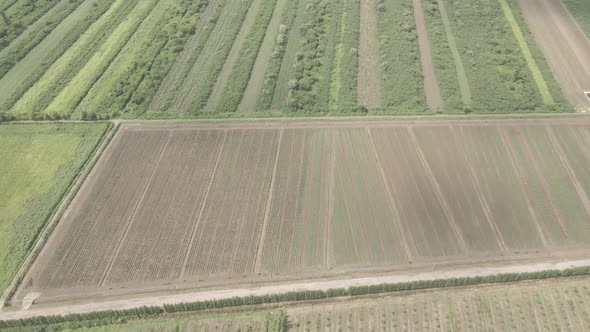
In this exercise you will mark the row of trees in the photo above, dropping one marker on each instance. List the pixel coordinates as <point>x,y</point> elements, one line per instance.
<point>111,316</point>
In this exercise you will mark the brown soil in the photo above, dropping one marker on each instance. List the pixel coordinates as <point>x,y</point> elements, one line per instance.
<point>369,82</point>
<point>565,46</point>
<point>431,89</point>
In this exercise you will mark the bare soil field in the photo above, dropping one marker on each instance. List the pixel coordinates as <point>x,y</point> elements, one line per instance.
<point>191,206</point>
<point>565,46</point>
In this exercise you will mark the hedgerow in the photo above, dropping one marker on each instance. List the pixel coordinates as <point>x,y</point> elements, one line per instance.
<point>112,316</point>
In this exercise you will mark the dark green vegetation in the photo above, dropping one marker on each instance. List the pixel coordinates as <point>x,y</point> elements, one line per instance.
<point>38,163</point>
<point>496,70</point>
<point>273,321</point>
<point>197,58</point>
<point>581,11</point>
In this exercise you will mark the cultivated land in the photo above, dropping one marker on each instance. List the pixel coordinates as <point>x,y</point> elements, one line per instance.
<point>566,46</point>
<point>37,165</point>
<point>550,305</point>
<point>82,59</point>
<point>240,201</point>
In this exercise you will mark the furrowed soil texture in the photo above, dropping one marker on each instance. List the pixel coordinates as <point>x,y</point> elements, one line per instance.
<point>184,206</point>
<point>37,165</point>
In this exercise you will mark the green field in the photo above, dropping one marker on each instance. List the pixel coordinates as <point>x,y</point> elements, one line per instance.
<point>197,58</point>
<point>37,165</point>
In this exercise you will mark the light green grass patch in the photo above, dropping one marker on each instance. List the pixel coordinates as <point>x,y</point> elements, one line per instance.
<point>37,165</point>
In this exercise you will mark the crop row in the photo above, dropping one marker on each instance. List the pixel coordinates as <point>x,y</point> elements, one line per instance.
<point>144,60</point>
<point>236,83</point>
<point>38,61</point>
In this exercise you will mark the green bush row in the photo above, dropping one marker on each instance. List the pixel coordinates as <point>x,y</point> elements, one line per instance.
<point>17,17</point>
<point>273,67</point>
<point>234,88</point>
<point>140,81</point>
<point>149,312</point>
<point>303,95</point>
<point>99,9</point>
<point>402,87</point>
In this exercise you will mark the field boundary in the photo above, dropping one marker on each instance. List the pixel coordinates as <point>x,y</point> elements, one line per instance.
<point>217,300</point>
<point>53,220</point>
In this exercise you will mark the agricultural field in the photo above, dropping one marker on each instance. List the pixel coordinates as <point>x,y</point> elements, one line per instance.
<point>88,59</point>
<point>550,305</point>
<point>566,46</point>
<point>212,204</point>
<point>37,165</point>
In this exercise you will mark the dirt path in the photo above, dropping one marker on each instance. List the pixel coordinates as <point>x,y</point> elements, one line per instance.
<point>461,76</point>
<point>369,82</point>
<point>431,89</point>
<point>156,300</point>
<point>254,87</point>
<point>564,45</point>
<point>228,66</point>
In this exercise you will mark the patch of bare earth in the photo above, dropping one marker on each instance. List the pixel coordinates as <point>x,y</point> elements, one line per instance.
<point>564,44</point>
<point>369,84</point>
<point>431,89</point>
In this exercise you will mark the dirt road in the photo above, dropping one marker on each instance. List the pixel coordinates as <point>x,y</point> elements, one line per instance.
<point>564,44</point>
<point>431,89</point>
<point>121,304</point>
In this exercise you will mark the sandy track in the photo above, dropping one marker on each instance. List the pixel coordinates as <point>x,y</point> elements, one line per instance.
<point>431,89</point>
<point>564,44</point>
<point>369,83</point>
<point>122,304</point>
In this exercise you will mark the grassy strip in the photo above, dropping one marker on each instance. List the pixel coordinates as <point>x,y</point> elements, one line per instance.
<point>28,222</point>
<point>536,72</point>
<point>78,87</point>
<point>343,91</point>
<point>402,89</point>
<point>17,17</point>
<point>310,64</point>
<point>64,69</point>
<point>35,34</point>
<point>70,37</point>
<point>273,68</point>
<point>497,71</point>
<point>233,90</point>
<point>581,11</point>
<point>193,98</point>
<point>161,36</point>
<point>114,316</point>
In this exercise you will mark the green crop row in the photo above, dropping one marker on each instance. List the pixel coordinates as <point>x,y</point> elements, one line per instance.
<point>158,44</point>
<point>343,96</point>
<point>37,32</point>
<point>273,67</point>
<point>55,78</point>
<point>402,88</point>
<point>235,86</point>
<point>581,11</point>
<point>198,87</point>
<point>71,37</point>
<point>117,316</point>
<point>17,17</point>
<point>308,69</point>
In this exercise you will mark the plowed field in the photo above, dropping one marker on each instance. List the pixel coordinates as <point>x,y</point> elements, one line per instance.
<point>211,204</point>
